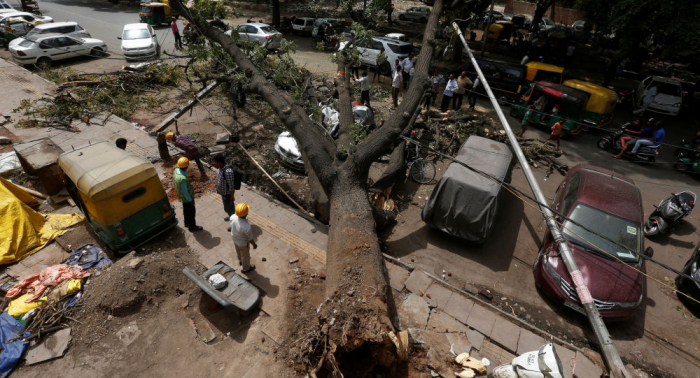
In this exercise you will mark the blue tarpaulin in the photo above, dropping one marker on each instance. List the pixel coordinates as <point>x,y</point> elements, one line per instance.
<point>88,256</point>
<point>11,352</point>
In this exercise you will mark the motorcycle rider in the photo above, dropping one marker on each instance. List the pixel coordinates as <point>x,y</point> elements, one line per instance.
<point>634,128</point>
<point>648,137</point>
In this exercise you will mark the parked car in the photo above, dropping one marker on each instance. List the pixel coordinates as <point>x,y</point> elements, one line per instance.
<point>303,25</point>
<point>610,206</point>
<point>139,41</point>
<point>547,24</point>
<point>507,80</point>
<point>419,14</point>
<point>27,16</point>
<point>669,94</point>
<point>398,36</point>
<point>688,286</point>
<point>70,28</point>
<point>393,49</point>
<point>500,16</point>
<point>259,33</point>
<point>4,5</point>
<point>578,26</point>
<point>52,47</point>
<point>521,21</point>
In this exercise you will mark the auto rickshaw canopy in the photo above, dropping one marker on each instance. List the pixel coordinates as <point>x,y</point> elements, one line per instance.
<point>602,100</point>
<point>101,171</point>
<point>573,101</point>
<point>534,67</point>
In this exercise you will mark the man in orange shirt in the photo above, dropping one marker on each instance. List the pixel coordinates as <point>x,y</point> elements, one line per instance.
<point>556,133</point>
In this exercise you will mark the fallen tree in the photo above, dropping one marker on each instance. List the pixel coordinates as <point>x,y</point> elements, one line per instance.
<point>356,313</point>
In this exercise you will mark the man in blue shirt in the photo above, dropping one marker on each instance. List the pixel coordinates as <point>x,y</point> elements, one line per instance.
<point>651,136</point>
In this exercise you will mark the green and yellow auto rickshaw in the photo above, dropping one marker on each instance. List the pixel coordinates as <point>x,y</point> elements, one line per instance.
<point>553,102</point>
<point>601,102</point>
<point>119,193</point>
<point>15,27</point>
<point>537,71</point>
<point>156,13</point>
<point>499,31</point>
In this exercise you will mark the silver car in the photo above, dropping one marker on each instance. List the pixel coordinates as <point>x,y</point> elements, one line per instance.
<point>260,33</point>
<point>419,14</point>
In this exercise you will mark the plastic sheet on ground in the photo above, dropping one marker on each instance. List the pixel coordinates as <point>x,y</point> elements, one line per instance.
<point>48,278</point>
<point>9,162</point>
<point>11,352</point>
<point>24,231</point>
<point>19,306</point>
<point>88,256</point>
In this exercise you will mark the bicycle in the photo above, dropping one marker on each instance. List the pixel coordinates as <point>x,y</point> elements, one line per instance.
<point>421,170</point>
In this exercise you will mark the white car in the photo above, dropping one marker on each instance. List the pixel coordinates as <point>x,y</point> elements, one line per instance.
<point>393,50</point>
<point>260,33</point>
<point>398,36</point>
<point>419,14</point>
<point>139,41</point>
<point>52,47</point>
<point>303,25</point>
<point>70,28</point>
<point>669,95</point>
<point>27,16</point>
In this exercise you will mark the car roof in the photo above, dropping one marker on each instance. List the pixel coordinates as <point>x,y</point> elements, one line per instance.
<point>666,80</point>
<point>304,18</point>
<point>54,24</point>
<point>258,24</point>
<point>391,40</point>
<point>610,192</point>
<point>135,26</point>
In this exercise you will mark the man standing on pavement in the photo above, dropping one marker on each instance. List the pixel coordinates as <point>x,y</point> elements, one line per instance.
<point>463,84</point>
<point>186,194</point>
<point>242,236</point>
<point>450,88</point>
<point>364,95</point>
<point>176,33</point>
<point>471,96</point>
<point>406,65</point>
<point>648,99</point>
<point>396,83</point>
<point>184,143</point>
<point>226,185</point>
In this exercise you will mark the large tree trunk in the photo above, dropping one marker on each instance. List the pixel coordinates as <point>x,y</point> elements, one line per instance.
<point>542,6</point>
<point>276,13</point>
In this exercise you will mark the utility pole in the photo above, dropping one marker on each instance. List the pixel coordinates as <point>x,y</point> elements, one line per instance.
<point>610,354</point>
<point>486,31</point>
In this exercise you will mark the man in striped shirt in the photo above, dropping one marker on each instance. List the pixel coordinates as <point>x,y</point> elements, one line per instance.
<point>184,143</point>
<point>226,184</point>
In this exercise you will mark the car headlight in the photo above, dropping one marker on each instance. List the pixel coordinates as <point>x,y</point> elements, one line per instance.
<point>677,105</point>
<point>550,270</point>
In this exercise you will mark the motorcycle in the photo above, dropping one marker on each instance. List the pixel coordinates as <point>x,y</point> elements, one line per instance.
<point>669,211</point>
<point>612,143</point>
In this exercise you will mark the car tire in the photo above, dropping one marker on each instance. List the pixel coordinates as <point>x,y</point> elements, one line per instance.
<point>97,52</point>
<point>44,61</point>
<point>402,17</point>
<point>423,20</point>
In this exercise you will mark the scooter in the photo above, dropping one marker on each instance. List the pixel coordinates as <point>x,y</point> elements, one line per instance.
<point>612,143</point>
<point>625,99</point>
<point>669,211</point>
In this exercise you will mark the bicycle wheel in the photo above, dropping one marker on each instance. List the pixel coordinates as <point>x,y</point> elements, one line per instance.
<point>422,171</point>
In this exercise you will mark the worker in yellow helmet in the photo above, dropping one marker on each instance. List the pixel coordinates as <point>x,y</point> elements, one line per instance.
<point>186,194</point>
<point>186,144</point>
<point>242,236</point>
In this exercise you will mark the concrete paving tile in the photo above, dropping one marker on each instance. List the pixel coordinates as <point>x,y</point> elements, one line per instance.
<point>458,343</point>
<point>459,307</point>
<point>495,354</point>
<point>418,282</point>
<point>475,338</point>
<point>585,368</point>
<point>441,322</point>
<point>413,312</point>
<point>437,295</point>
<point>397,276</point>
<point>506,334</point>
<point>436,341</point>
<point>481,319</point>
<point>528,342</point>
<point>567,358</point>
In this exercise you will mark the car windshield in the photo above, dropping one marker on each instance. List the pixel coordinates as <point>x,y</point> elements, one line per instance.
<point>268,29</point>
<point>548,21</point>
<point>136,34</point>
<point>668,89</point>
<point>26,43</point>
<point>621,231</point>
<point>400,49</point>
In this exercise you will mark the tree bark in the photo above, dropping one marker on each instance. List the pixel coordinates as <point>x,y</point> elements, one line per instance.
<point>542,6</point>
<point>276,13</point>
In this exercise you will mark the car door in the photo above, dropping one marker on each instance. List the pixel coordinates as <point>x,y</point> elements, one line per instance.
<point>242,33</point>
<point>154,38</point>
<point>369,56</point>
<point>51,48</point>
<point>72,47</point>
<point>641,89</point>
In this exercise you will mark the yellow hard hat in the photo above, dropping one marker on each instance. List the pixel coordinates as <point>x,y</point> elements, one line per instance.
<point>169,136</point>
<point>183,162</point>
<point>241,210</point>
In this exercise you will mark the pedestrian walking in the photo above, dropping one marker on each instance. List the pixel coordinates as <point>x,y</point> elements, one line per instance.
<point>176,33</point>
<point>555,136</point>
<point>648,99</point>
<point>227,182</point>
<point>471,97</point>
<point>570,50</point>
<point>406,65</point>
<point>364,94</point>
<point>381,59</point>
<point>448,93</point>
<point>242,236</point>
<point>396,83</point>
<point>463,83</point>
<point>184,143</point>
<point>121,143</point>
<point>185,194</point>
<point>526,121</point>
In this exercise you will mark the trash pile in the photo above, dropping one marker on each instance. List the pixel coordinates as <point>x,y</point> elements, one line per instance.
<point>41,304</point>
<point>471,367</point>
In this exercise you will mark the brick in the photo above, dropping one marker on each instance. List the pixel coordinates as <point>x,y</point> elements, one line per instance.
<point>528,342</point>
<point>397,276</point>
<point>413,312</point>
<point>459,307</point>
<point>567,357</point>
<point>437,296</point>
<point>506,334</point>
<point>481,319</point>
<point>418,282</point>
<point>475,338</point>
<point>585,368</point>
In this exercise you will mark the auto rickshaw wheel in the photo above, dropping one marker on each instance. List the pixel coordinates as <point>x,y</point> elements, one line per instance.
<point>503,100</point>
<point>513,111</point>
<point>681,166</point>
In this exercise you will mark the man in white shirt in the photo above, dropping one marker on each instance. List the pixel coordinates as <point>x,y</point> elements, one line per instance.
<point>648,99</point>
<point>406,65</point>
<point>364,95</point>
<point>450,89</point>
<point>242,236</point>
<point>396,83</point>
<point>471,96</point>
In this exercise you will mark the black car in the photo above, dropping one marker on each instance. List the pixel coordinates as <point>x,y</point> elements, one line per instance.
<point>688,286</point>
<point>506,79</point>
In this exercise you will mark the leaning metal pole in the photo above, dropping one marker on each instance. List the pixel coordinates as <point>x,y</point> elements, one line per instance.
<point>610,354</point>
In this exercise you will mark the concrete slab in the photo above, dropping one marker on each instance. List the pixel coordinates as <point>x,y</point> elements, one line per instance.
<point>585,368</point>
<point>459,307</point>
<point>441,322</point>
<point>458,343</point>
<point>52,347</point>
<point>413,312</point>
<point>273,329</point>
<point>481,319</point>
<point>528,342</point>
<point>129,334</point>
<point>418,282</point>
<point>438,342</point>
<point>397,276</point>
<point>567,358</point>
<point>495,354</point>
<point>475,338</point>
<point>437,296</point>
<point>506,334</point>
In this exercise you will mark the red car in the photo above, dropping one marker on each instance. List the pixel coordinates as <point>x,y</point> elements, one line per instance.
<point>610,205</point>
